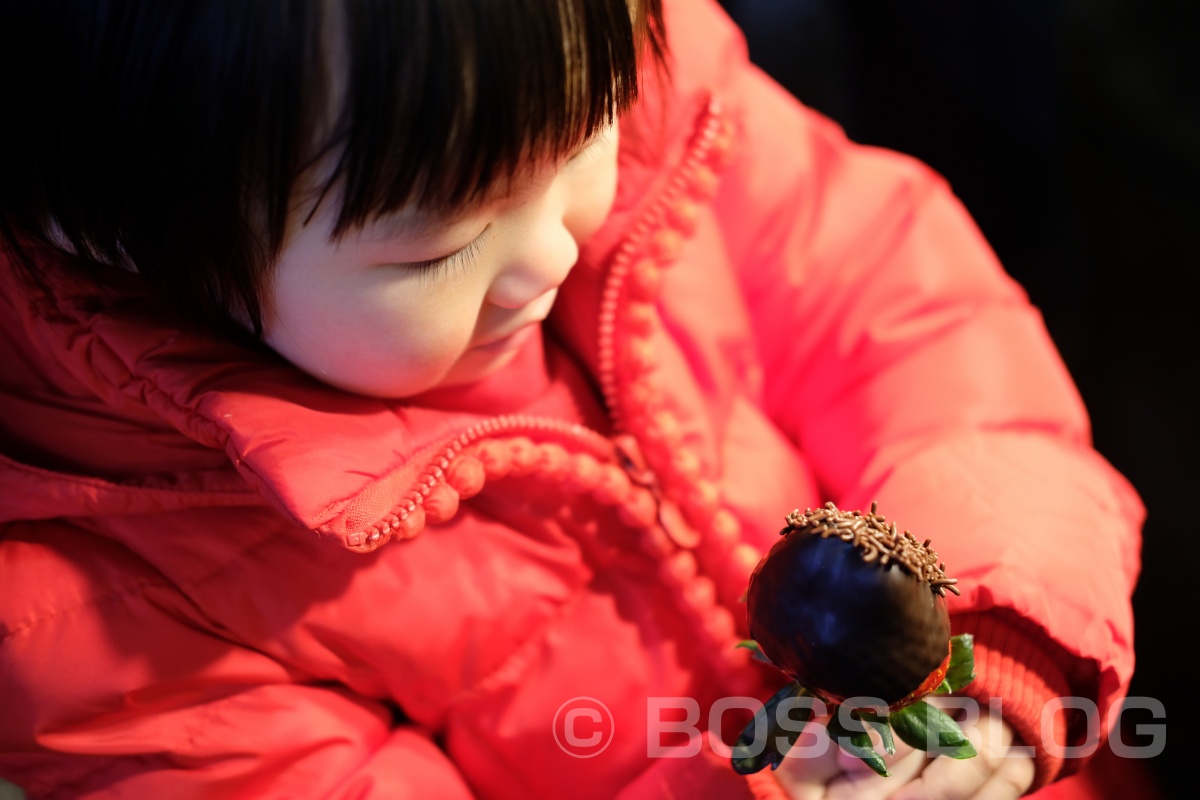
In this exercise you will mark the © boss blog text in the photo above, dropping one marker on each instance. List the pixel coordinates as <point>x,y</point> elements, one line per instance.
<point>584,727</point>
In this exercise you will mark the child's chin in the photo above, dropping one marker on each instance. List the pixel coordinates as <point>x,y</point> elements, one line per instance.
<point>488,368</point>
<point>478,369</point>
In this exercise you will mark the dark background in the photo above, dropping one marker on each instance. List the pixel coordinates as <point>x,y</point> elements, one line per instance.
<point>1071,130</point>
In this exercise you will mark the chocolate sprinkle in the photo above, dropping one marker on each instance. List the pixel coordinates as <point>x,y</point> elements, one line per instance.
<point>876,539</point>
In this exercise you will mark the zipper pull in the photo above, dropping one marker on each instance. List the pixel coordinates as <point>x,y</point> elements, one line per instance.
<point>629,456</point>
<point>670,518</point>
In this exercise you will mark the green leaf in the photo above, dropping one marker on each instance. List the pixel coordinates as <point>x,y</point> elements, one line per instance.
<point>928,728</point>
<point>756,651</point>
<point>943,688</point>
<point>962,661</point>
<point>856,743</point>
<point>745,759</point>
<point>881,725</point>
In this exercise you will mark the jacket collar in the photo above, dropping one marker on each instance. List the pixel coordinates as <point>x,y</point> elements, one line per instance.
<point>308,449</point>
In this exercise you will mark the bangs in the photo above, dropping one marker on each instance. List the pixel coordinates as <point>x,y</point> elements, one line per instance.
<point>442,99</point>
<point>174,138</point>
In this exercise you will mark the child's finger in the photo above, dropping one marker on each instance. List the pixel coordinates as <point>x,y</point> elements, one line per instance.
<point>946,779</point>
<point>978,778</point>
<point>810,765</point>
<point>1012,778</point>
<point>866,785</point>
<point>987,776</point>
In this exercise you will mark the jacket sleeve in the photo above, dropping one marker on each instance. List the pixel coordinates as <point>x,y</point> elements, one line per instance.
<point>911,370</point>
<point>91,708</point>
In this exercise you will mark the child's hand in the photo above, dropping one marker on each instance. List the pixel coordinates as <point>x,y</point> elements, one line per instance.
<point>994,774</point>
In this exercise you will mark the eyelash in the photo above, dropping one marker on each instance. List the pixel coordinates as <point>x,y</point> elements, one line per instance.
<point>592,151</point>
<point>436,268</point>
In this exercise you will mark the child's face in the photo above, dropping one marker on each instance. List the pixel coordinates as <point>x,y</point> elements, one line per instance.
<point>370,315</point>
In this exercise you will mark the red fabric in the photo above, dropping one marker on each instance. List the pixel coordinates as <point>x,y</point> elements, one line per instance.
<point>1021,673</point>
<point>221,578</point>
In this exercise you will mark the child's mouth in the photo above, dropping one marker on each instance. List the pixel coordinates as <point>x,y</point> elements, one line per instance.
<point>512,341</point>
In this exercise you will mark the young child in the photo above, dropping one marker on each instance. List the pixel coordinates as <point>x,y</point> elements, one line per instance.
<point>397,396</point>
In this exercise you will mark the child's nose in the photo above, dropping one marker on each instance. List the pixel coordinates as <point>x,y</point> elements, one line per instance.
<point>540,263</point>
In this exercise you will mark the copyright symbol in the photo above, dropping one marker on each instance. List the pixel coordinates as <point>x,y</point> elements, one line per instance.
<point>583,727</point>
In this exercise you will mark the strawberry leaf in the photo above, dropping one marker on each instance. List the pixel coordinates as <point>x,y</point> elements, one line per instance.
<point>744,759</point>
<point>856,742</point>
<point>881,726</point>
<point>943,688</point>
<point>755,650</point>
<point>928,728</point>
<point>962,661</point>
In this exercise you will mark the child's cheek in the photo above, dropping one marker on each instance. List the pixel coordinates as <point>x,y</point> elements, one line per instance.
<point>591,218</point>
<point>593,192</point>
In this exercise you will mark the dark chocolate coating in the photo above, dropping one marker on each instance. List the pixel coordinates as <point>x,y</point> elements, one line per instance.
<point>842,626</point>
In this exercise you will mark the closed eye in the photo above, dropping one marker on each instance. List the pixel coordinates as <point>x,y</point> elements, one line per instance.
<point>436,268</point>
<point>594,147</point>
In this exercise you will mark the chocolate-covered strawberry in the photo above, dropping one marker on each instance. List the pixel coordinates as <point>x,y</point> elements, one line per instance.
<point>849,607</point>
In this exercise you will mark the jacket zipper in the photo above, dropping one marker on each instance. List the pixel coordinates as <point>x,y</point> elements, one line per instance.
<point>635,243</point>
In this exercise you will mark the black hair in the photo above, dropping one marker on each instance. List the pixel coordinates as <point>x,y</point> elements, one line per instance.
<point>172,136</point>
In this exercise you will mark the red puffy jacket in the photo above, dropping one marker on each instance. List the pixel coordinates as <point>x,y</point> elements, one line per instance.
<point>222,579</point>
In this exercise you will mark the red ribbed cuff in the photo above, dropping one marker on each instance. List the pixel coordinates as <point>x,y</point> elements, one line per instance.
<point>1017,667</point>
<point>763,786</point>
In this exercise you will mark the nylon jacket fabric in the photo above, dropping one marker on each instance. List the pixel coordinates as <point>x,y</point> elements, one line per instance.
<point>223,579</point>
